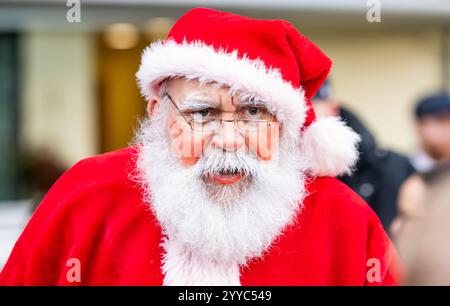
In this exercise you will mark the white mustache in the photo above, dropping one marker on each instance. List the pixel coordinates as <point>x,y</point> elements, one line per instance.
<point>219,161</point>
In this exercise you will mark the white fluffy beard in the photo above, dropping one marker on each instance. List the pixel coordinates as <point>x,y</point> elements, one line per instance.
<point>211,230</point>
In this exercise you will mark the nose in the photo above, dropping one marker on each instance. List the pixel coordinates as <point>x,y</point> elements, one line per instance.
<point>228,137</point>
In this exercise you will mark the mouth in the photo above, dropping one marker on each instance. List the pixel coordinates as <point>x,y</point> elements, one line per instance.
<point>227,177</point>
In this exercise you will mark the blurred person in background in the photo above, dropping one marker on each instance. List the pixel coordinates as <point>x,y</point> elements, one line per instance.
<point>379,173</point>
<point>425,233</point>
<point>39,170</point>
<point>432,115</point>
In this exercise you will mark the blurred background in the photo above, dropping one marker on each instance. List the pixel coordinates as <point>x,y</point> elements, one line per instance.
<point>68,89</point>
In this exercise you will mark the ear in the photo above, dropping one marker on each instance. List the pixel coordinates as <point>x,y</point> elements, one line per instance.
<point>153,105</point>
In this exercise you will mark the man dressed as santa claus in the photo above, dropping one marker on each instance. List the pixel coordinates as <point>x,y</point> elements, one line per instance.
<point>229,181</point>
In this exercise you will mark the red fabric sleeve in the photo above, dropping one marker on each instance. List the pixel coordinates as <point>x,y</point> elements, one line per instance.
<point>95,215</point>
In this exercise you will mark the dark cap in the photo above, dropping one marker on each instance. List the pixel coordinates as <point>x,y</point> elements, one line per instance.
<point>433,105</point>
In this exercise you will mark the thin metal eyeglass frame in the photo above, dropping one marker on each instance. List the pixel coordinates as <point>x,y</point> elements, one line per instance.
<point>189,121</point>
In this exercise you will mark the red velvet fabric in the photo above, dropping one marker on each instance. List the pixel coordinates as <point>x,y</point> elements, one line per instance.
<point>95,213</point>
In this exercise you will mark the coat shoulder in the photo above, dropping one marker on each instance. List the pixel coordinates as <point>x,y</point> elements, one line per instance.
<point>334,196</point>
<point>115,165</point>
<point>93,213</point>
<point>94,184</point>
<point>105,180</point>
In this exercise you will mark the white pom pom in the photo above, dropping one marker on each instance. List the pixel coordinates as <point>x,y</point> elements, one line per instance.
<point>330,146</point>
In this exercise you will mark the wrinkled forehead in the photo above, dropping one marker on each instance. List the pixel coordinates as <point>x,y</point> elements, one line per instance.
<point>183,89</point>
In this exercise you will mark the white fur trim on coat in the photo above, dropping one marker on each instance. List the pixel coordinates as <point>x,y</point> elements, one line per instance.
<point>330,146</point>
<point>196,60</point>
<point>183,268</point>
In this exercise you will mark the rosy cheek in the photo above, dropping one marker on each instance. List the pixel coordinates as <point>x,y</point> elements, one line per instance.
<point>265,146</point>
<point>259,144</point>
<point>188,161</point>
<point>252,143</point>
<point>264,143</point>
<point>186,145</point>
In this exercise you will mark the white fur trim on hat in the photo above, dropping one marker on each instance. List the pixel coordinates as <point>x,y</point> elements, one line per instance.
<point>330,147</point>
<point>329,144</point>
<point>196,60</point>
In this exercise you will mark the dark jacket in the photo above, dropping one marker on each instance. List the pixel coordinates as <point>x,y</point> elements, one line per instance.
<point>379,173</point>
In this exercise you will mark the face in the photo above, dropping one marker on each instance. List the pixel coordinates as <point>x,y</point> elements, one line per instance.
<point>434,135</point>
<point>195,126</point>
<point>227,196</point>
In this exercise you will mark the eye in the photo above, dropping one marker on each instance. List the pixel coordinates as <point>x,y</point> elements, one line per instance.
<point>203,113</point>
<point>253,111</point>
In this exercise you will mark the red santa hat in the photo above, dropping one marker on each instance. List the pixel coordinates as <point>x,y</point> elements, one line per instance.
<point>269,58</point>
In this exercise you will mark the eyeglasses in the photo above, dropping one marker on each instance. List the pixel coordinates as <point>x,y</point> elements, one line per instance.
<point>250,118</point>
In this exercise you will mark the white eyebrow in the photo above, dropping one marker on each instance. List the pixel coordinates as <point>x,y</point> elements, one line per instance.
<point>247,99</point>
<point>196,101</point>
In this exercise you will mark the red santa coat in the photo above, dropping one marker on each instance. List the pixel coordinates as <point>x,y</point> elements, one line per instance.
<point>95,214</point>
